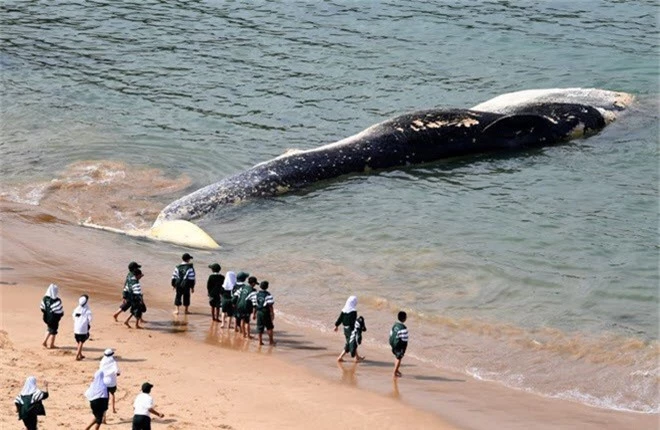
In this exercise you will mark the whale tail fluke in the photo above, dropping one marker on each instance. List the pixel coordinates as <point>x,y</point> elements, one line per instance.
<point>178,232</point>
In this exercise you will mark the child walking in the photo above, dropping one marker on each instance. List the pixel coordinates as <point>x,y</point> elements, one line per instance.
<point>82,319</point>
<point>51,307</point>
<point>347,318</point>
<point>399,341</point>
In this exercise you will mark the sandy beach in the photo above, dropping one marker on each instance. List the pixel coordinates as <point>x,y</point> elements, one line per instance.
<point>216,380</point>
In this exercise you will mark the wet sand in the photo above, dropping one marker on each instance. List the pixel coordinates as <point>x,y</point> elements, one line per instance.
<point>204,376</point>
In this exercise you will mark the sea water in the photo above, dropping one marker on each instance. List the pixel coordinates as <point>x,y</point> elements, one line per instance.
<point>537,270</point>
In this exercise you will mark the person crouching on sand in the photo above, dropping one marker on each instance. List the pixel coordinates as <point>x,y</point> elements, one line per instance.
<point>110,371</point>
<point>226,299</point>
<point>97,394</point>
<point>214,289</point>
<point>399,341</point>
<point>28,403</point>
<point>51,307</point>
<point>82,320</point>
<point>347,318</point>
<point>143,406</point>
<point>137,301</point>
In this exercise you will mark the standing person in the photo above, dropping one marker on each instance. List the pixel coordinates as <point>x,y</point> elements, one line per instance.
<point>110,371</point>
<point>143,406</point>
<point>126,292</point>
<point>183,281</point>
<point>226,299</point>
<point>245,304</point>
<point>52,309</point>
<point>28,402</point>
<point>137,301</point>
<point>399,341</point>
<point>214,288</point>
<point>347,318</point>
<point>356,336</point>
<point>238,286</point>
<point>97,394</point>
<point>82,320</point>
<point>264,313</point>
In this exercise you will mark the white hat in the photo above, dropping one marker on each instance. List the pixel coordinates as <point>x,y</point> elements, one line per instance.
<point>108,352</point>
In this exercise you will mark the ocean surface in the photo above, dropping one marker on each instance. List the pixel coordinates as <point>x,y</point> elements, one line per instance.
<point>537,270</point>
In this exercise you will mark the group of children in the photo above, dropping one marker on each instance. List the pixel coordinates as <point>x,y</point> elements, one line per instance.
<point>231,297</point>
<point>354,325</point>
<point>29,402</point>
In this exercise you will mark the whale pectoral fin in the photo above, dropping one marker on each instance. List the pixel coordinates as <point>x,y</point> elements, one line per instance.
<point>520,129</point>
<point>184,233</point>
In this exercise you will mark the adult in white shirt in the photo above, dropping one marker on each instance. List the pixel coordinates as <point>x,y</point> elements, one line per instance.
<point>110,372</point>
<point>82,320</point>
<point>144,406</point>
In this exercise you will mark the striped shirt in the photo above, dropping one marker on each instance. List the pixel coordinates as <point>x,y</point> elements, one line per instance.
<point>401,332</point>
<point>189,276</point>
<point>55,306</point>
<point>36,397</point>
<point>265,297</point>
<point>136,288</point>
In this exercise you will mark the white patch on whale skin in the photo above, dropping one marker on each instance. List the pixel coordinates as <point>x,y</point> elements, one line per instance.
<point>467,122</point>
<point>603,100</point>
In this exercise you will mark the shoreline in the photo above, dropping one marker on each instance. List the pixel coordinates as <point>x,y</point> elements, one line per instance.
<point>303,359</point>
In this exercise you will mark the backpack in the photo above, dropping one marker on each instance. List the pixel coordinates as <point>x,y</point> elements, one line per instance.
<point>182,270</point>
<point>242,297</point>
<point>394,335</point>
<point>47,313</point>
<point>261,300</point>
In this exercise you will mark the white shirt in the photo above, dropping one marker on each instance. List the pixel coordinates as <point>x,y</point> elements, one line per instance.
<point>81,323</point>
<point>143,402</point>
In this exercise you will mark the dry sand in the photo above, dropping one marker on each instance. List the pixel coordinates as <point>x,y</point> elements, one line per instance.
<point>219,381</point>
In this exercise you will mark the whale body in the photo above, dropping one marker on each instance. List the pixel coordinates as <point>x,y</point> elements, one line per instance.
<point>515,121</point>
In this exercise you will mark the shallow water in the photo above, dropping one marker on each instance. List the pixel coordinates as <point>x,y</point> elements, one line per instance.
<point>538,270</point>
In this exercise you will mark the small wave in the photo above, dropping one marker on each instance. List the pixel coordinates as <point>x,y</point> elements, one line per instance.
<point>102,192</point>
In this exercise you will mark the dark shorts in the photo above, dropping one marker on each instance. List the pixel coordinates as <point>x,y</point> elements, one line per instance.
<point>264,321</point>
<point>99,406</point>
<point>227,306</point>
<point>214,302</point>
<point>81,338</point>
<point>141,422</point>
<point>30,422</point>
<point>125,305</point>
<point>182,293</point>
<point>400,351</point>
<point>53,326</point>
<point>112,390</point>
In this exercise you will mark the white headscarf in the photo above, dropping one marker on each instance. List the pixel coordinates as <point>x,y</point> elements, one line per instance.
<point>82,306</point>
<point>97,388</point>
<point>52,291</point>
<point>30,389</point>
<point>230,281</point>
<point>351,305</point>
<point>109,368</point>
<point>30,386</point>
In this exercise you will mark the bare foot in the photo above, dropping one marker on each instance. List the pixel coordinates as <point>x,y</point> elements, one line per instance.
<point>397,374</point>
<point>176,312</point>
<point>52,347</point>
<point>138,327</point>
<point>115,317</point>
<point>358,358</point>
<point>339,360</point>
<point>127,325</point>
<point>78,358</point>
<point>187,312</point>
<point>272,343</point>
<point>261,343</point>
<point>44,344</point>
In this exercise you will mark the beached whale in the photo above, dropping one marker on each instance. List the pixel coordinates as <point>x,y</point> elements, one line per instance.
<point>514,121</point>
